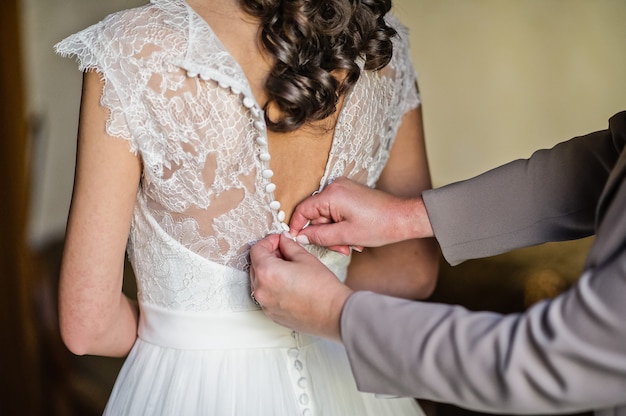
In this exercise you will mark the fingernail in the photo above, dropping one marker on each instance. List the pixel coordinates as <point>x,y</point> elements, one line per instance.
<point>289,236</point>
<point>302,239</point>
<point>357,248</point>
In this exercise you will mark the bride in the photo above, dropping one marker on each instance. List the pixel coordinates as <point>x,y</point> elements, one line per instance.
<point>202,124</point>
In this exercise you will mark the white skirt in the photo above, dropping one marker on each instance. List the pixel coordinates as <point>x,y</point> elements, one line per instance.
<point>238,364</point>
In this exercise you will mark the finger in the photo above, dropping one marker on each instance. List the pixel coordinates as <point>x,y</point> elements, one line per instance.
<point>252,278</point>
<point>290,249</point>
<point>328,235</point>
<point>345,249</point>
<point>267,247</point>
<point>298,222</point>
<point>341,249</point>
<point>268,244</point>
<point>320,221</point>
<point>311,210</point>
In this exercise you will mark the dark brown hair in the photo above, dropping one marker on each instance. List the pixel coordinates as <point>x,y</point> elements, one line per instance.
<point>313,41</point>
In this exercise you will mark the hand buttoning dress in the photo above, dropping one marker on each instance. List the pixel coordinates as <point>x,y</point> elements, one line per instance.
<point>206,194</point>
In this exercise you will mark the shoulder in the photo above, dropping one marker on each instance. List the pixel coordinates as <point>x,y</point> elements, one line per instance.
<point>401,48</point>
<point>617,126</point>
<point>393,21</point>
<point>131,34</point>
<point>401,40</point>
<point>400,69</point>
<point>152,23</point>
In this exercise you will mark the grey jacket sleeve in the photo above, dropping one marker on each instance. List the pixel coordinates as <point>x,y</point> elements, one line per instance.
<point>563,355</point>
<point>550,197</point>
<point>567,355</point>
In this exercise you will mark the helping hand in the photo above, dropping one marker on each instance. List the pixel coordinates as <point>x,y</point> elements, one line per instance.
<point>295,289</point>
<point>349,214</point>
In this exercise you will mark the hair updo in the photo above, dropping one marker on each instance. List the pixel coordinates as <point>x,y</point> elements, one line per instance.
<point>315,45</point>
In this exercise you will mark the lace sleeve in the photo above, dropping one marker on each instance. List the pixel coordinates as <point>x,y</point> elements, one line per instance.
<point>404,63</point>
<point>94,50</point>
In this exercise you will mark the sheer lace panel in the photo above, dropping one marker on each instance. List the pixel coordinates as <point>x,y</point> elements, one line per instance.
<point>184,104</point>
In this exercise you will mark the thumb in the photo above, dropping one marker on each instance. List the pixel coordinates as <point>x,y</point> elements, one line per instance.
<point>267,247</point>
<point>327,235</point>
<point>290,249</point>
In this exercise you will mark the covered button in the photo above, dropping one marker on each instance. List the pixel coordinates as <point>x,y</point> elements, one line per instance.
<point>275,205</point>
<point>248,102</point>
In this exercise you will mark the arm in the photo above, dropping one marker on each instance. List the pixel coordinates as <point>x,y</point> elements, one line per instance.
<point>414,262</point>
<point>552,196</point>
<point>563,355</point>
<point>95,317</point>
<point>347,213</point>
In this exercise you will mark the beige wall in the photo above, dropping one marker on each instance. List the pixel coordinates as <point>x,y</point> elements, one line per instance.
<point>499,78</point>
<point>54,85</point>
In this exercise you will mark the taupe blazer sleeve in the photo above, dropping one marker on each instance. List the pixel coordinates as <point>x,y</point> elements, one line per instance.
<point>563,355</point>
<point>550,197</point>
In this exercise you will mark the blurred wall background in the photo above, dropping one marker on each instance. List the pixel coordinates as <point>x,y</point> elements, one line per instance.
<point>499,78</point>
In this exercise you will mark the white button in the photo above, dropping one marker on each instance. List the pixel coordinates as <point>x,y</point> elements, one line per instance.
<point>191,74</point>
<point>248,102</point>
<point>275,205</point>
<point>267,173</point>
<point>284,226</point>
<point>205,77</point>
<point>306,412</point>
<point>265,157</point>
<point>235,90</point>
<point>261,141</point>
<point>293,352</point>
<point>298,364</point>
<point>303,383</point>
<point>255,112</point>
<point>304,399</point>
<point>281,216</point>
<point>259,125</point>
<point>270,187</point>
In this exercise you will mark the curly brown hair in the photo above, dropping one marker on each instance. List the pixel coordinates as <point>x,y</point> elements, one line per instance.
<point>315,45</point>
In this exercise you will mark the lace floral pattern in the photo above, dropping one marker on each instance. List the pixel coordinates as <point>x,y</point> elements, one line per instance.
<point>187,110</point>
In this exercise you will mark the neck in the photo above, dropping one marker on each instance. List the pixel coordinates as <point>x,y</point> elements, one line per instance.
<point>226,9</point>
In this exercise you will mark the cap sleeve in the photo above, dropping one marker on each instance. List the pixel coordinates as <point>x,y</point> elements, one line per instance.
<point>403,65</point>
<point>96,48</point>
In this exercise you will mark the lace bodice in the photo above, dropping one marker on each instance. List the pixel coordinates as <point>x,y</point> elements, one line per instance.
<point>186,108</point>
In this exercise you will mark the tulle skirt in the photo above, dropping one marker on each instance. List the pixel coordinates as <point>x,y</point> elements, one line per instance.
<point>238,364</point>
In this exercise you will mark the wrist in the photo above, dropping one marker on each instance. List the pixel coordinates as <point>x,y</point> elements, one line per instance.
<point>414,219</point>
<point>335,312</point>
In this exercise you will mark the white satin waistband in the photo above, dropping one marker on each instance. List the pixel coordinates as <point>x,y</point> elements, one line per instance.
<point>213,330</point>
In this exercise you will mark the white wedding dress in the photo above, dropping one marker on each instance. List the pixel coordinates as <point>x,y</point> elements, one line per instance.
<point>206,194</point>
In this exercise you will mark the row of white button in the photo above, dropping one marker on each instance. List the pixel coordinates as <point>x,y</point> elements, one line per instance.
<point>270,187</point>
<point>303,383</point>
<point>261,140</point>
<point>265,157</point>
